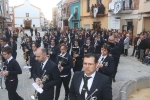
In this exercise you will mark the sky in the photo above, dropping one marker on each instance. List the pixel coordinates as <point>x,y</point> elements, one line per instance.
<point>45,5</point>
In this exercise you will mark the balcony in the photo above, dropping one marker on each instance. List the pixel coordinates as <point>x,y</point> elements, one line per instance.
<point>127,7</point>
<point>97,11</point>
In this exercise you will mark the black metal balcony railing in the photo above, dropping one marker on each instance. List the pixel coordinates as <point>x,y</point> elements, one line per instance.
<point>128,4</point>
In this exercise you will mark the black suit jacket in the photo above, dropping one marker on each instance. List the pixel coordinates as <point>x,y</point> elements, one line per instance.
<point>67,66</point>
<point>79,59</point>
<point>38,40</point>
<point>100,82</point>
<point>54,78</point>
<point>55,51</point>
<point>8,35</point>
<point>108,66</point>
<point>14,48</point>
<point>14,69</point>
<point>115,53</point>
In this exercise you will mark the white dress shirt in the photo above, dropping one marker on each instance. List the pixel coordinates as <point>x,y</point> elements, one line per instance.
<point>63,56</point>
<point>6,45</point>
<point>89,83</point>
<point>100,59</point>
<point>9,59</point>
<point>44,63</point>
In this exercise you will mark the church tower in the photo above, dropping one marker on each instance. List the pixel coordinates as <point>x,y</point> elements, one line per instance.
<point>26,2</point>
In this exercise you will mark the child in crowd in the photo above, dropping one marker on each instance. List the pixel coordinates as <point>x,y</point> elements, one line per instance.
<point>147,57</point>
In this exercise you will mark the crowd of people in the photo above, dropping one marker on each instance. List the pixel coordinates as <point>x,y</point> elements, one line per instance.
<point>93,55</point>
<point>141,48</point>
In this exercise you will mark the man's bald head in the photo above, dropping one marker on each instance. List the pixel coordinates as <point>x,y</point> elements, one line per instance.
<point>41,54</point>
<point>111,39</point>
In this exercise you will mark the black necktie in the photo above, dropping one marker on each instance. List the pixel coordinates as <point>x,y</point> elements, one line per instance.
<point>42,66</point>
<point>85,87</point>
<point>102,59</point>
<point>6,62</point>
<point>41,69</point>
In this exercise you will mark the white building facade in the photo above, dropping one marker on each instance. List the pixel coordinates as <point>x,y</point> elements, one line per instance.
<point>59,17</point>
<point>123,15</point>
<point>27,15</point>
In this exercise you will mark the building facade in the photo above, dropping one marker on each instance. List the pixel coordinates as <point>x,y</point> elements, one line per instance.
<point>65,14</point>
<point>4,14</point>
<point>27,15</point>
<point>59,17</point>
<point>10,22</point>
<point>144,16</point>
<point>54,17</point>
<point>126,17</point>
<point>74,19</point>
<point>94,14</point>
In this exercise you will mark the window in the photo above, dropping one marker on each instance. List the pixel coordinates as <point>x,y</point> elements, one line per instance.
<point>98,1</point>
<point>27,14</point>
<point>1,8</point>
<point>88,5</point>
<point>147,0</point>
<point>6,7</point>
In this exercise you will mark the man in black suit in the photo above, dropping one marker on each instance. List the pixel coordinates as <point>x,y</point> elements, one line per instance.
<point>44,64</point>
<point>90,81</point>
<point>8,34</point>
<point>106,63</point>
<point>67,43</point>
<point>97,45</point>
<point>3,42</point>
<point>135,44</point>
<point>11,73</point>
<point>88,48</point>
<point>53,51</point>
<point>65,72</point>
<point>32,59</point>
<point>115,53</point>
<point>31,30</point>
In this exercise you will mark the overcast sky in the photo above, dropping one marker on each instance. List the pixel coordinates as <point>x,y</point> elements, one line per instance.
<point>45,5</point>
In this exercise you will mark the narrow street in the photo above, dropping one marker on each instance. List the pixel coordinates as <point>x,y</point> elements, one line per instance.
<point>129,69</point>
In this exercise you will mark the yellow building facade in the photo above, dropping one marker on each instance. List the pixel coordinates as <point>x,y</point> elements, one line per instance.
<point>88,21</point>
<point>144,16</point>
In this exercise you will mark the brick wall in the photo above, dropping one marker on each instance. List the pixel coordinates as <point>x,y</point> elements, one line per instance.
<point>136,4</point>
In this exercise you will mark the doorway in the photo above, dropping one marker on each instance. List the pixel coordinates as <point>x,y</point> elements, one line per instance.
<point>75,25</point>
<point>27,24</point>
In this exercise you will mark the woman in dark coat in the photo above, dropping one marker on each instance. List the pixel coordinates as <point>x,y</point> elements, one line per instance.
<point>13,44</point>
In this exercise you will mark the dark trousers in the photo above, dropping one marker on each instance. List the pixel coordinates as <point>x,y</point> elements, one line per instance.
<point>15,38</point>
<point>134,50</point>
<point>126,52</point>
<point>31,33</point>
<point>65,81</point>
<point>14,54</point>
<point>11,87</point>
<point>77,68</point>
<point>46,95</point>
<point>116,67</point>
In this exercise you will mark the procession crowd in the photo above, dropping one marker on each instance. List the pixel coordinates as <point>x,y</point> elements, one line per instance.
<point>93,55</point>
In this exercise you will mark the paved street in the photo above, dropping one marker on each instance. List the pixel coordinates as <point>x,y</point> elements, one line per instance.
<point>129,69</point>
